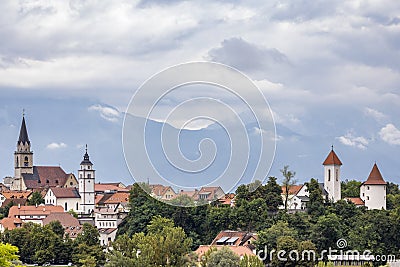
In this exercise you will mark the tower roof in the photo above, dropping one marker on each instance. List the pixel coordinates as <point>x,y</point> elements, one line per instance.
<point>86,160</point>
<point>332,159</point>
<point>375,177</point>
<point>23,133</point>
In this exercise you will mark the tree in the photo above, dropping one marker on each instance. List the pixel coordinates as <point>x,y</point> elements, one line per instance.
<point>36,199</point>
<point>288,259</point>
<point>223,257</point>
<point>89,235</point>
<point>288,182</point>
<point>273,194</point>
<point>267,239</point>
<point>315,205</point>
<point>327,231</point>
<point>8,255</point>
<point>350,188</point>
<point>251,261</point>
<point>57,228</point>
<point>163,245</point>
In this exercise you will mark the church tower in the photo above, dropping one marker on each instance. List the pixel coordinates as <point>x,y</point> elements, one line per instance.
<point>86,179</point>
<point>332,166</point>
<point>23,158</point>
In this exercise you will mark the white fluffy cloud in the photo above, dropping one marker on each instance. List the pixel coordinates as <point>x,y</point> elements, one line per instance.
<point>107,113</point>
<point>390,134</point>
<point>355,141</point>
<point>55,145</point>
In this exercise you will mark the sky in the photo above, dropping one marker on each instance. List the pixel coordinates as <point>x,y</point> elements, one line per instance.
<point>329,70</point>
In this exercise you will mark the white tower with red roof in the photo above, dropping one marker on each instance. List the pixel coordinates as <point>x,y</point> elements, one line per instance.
<point>332,166</point>
<point>373,191</point>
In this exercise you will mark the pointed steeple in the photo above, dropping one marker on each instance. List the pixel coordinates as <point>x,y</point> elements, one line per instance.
<point>375,177</point>
<point>23,133</point>
<point>86,160</point>
<point>332,159</point>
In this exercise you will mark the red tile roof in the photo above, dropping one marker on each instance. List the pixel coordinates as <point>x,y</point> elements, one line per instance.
<point>11,223</point>
<point>70,223</point>
<point>332,159</point>
<point>228,199</point>
<point>375,177</point>
<point>356,200</point>
<point>119,197</point>
<point>16,194</point>
<point>293,190</point>
<point>69,192</point>
<point>33,210</point>
<point>45,176</point>
<point>109,187</point>
<point>238,250</point>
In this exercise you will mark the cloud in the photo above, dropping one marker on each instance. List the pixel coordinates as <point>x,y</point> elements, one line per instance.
<point>243,55</point>
<point>55,145</point>
<point>355,141</point>
<point>377,115</point>
<point>390,134</point>
<point>107,113</point>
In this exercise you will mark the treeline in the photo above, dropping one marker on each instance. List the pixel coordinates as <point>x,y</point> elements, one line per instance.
<point>319,228</point>
<point>49,244</point>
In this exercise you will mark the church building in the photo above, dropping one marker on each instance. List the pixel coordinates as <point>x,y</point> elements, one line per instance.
<point>30,177</point>
<point>61,188</point>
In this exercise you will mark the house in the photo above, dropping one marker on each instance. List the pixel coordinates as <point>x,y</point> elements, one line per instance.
<point>67,197</point>
<point>10,224</point>
<point>239,251</point>
<point>241,243</point>
<point>373,190</point>
<point>107,218</point>
<point>235,238</point>
<point>116,199</point>
<point>71,225</point>
<point>101,188</point>
<point>356,201</point>
<point>209,194</point>
<point>18,197</point>
<point>107,236</point>
<point>162,192</point>
<point>34,214</point>
<point>228,199</point>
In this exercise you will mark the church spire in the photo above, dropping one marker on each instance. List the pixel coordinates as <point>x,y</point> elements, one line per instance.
<point>23,133</point>
<point>86,160</point>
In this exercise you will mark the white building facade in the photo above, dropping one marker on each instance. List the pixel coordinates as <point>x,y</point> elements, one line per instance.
<point>373,191</point>
<point>86,178</point>
<point>332,184</point>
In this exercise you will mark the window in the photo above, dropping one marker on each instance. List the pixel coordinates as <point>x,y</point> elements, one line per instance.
<point>77,206</point>
<point>89,175</point>
<point>88,167</point>
<point>17,162</point>
<point>329,175</point>
<point>26,162</point>
<point>367,197</point>
<point>367,187</point>
<point>337,175</point>
<point>71,183</point>
<point>66,206</point>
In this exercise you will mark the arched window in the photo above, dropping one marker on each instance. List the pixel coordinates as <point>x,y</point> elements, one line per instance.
<point>329,175</point>
<point>26,161</point>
